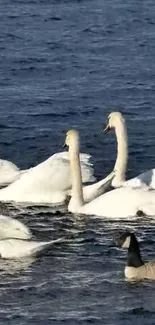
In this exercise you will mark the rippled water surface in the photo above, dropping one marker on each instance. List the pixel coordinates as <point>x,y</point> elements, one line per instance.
<point>68,64</point>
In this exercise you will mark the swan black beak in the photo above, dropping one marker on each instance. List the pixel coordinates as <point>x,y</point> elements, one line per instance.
<point>64,145</point>
<point>106,129</point>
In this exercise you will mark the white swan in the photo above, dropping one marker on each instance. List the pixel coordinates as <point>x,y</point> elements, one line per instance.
<point>17,248</point>
<point>48,182</point>
<point>116,121</point>
<point>12,228</point>
<point>15,240</point>
<point>123,202</point>
<point>9,172</point>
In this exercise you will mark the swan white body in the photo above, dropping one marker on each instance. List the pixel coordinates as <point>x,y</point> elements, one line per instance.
<point>12,228</point>
<point>119,203</point>
<point>18,248</point>
<point>48,182</point>
<point>8,172</point>
<point>146,179</point>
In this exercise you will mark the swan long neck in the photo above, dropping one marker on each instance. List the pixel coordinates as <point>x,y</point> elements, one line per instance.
<point>77,189</point>
<point>122,151</point>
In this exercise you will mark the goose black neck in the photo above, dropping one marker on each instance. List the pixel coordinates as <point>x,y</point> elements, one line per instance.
<point>134,256</point>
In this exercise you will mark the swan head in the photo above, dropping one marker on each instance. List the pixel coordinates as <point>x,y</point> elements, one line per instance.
<point>72,139</point>
<point>114,120</point>
<point>13,228</point>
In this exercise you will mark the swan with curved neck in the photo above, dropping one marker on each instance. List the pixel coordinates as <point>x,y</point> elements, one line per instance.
<point>72,141</point>
<point>117,122</point>
<point>81,195</point>
<point>123,202</point>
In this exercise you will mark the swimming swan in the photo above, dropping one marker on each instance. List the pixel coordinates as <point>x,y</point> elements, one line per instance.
<point>13,248</point>
<point>135,268</point>
<point>12,228</point>
<point>123,202</point>
<point>48,182</point>
<point>15,240</point>
<point>116,121</point>
<point>9,172</point>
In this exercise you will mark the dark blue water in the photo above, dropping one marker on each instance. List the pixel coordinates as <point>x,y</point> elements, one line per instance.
<point>68,64</point>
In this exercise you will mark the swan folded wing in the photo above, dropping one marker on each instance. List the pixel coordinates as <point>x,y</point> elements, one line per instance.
<point>48,182</point>
<point>84,157</point>
<point>137,182</point>
<point>148,178</point>
<point>9,172</point>
<point>62,158</point>
<point>53,175</point>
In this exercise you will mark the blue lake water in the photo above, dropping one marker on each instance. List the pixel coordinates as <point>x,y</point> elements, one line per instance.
<point>68,64</point>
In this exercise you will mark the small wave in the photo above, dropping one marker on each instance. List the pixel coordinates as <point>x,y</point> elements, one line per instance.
<point>53,18</point>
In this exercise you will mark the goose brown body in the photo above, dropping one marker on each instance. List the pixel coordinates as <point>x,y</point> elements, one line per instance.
<point>146,271</point>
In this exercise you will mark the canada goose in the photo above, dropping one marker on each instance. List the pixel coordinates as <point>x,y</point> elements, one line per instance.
<point>117,122</point>
<point>136,268</point>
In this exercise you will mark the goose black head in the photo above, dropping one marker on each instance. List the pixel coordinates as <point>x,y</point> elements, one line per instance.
<point>125,239</point>
<point>129,241</point>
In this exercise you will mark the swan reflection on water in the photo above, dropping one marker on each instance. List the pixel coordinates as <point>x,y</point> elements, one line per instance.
<point>14,266</point>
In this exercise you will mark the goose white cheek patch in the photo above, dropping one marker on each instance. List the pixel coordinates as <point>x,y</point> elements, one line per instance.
<point>126,243</point>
